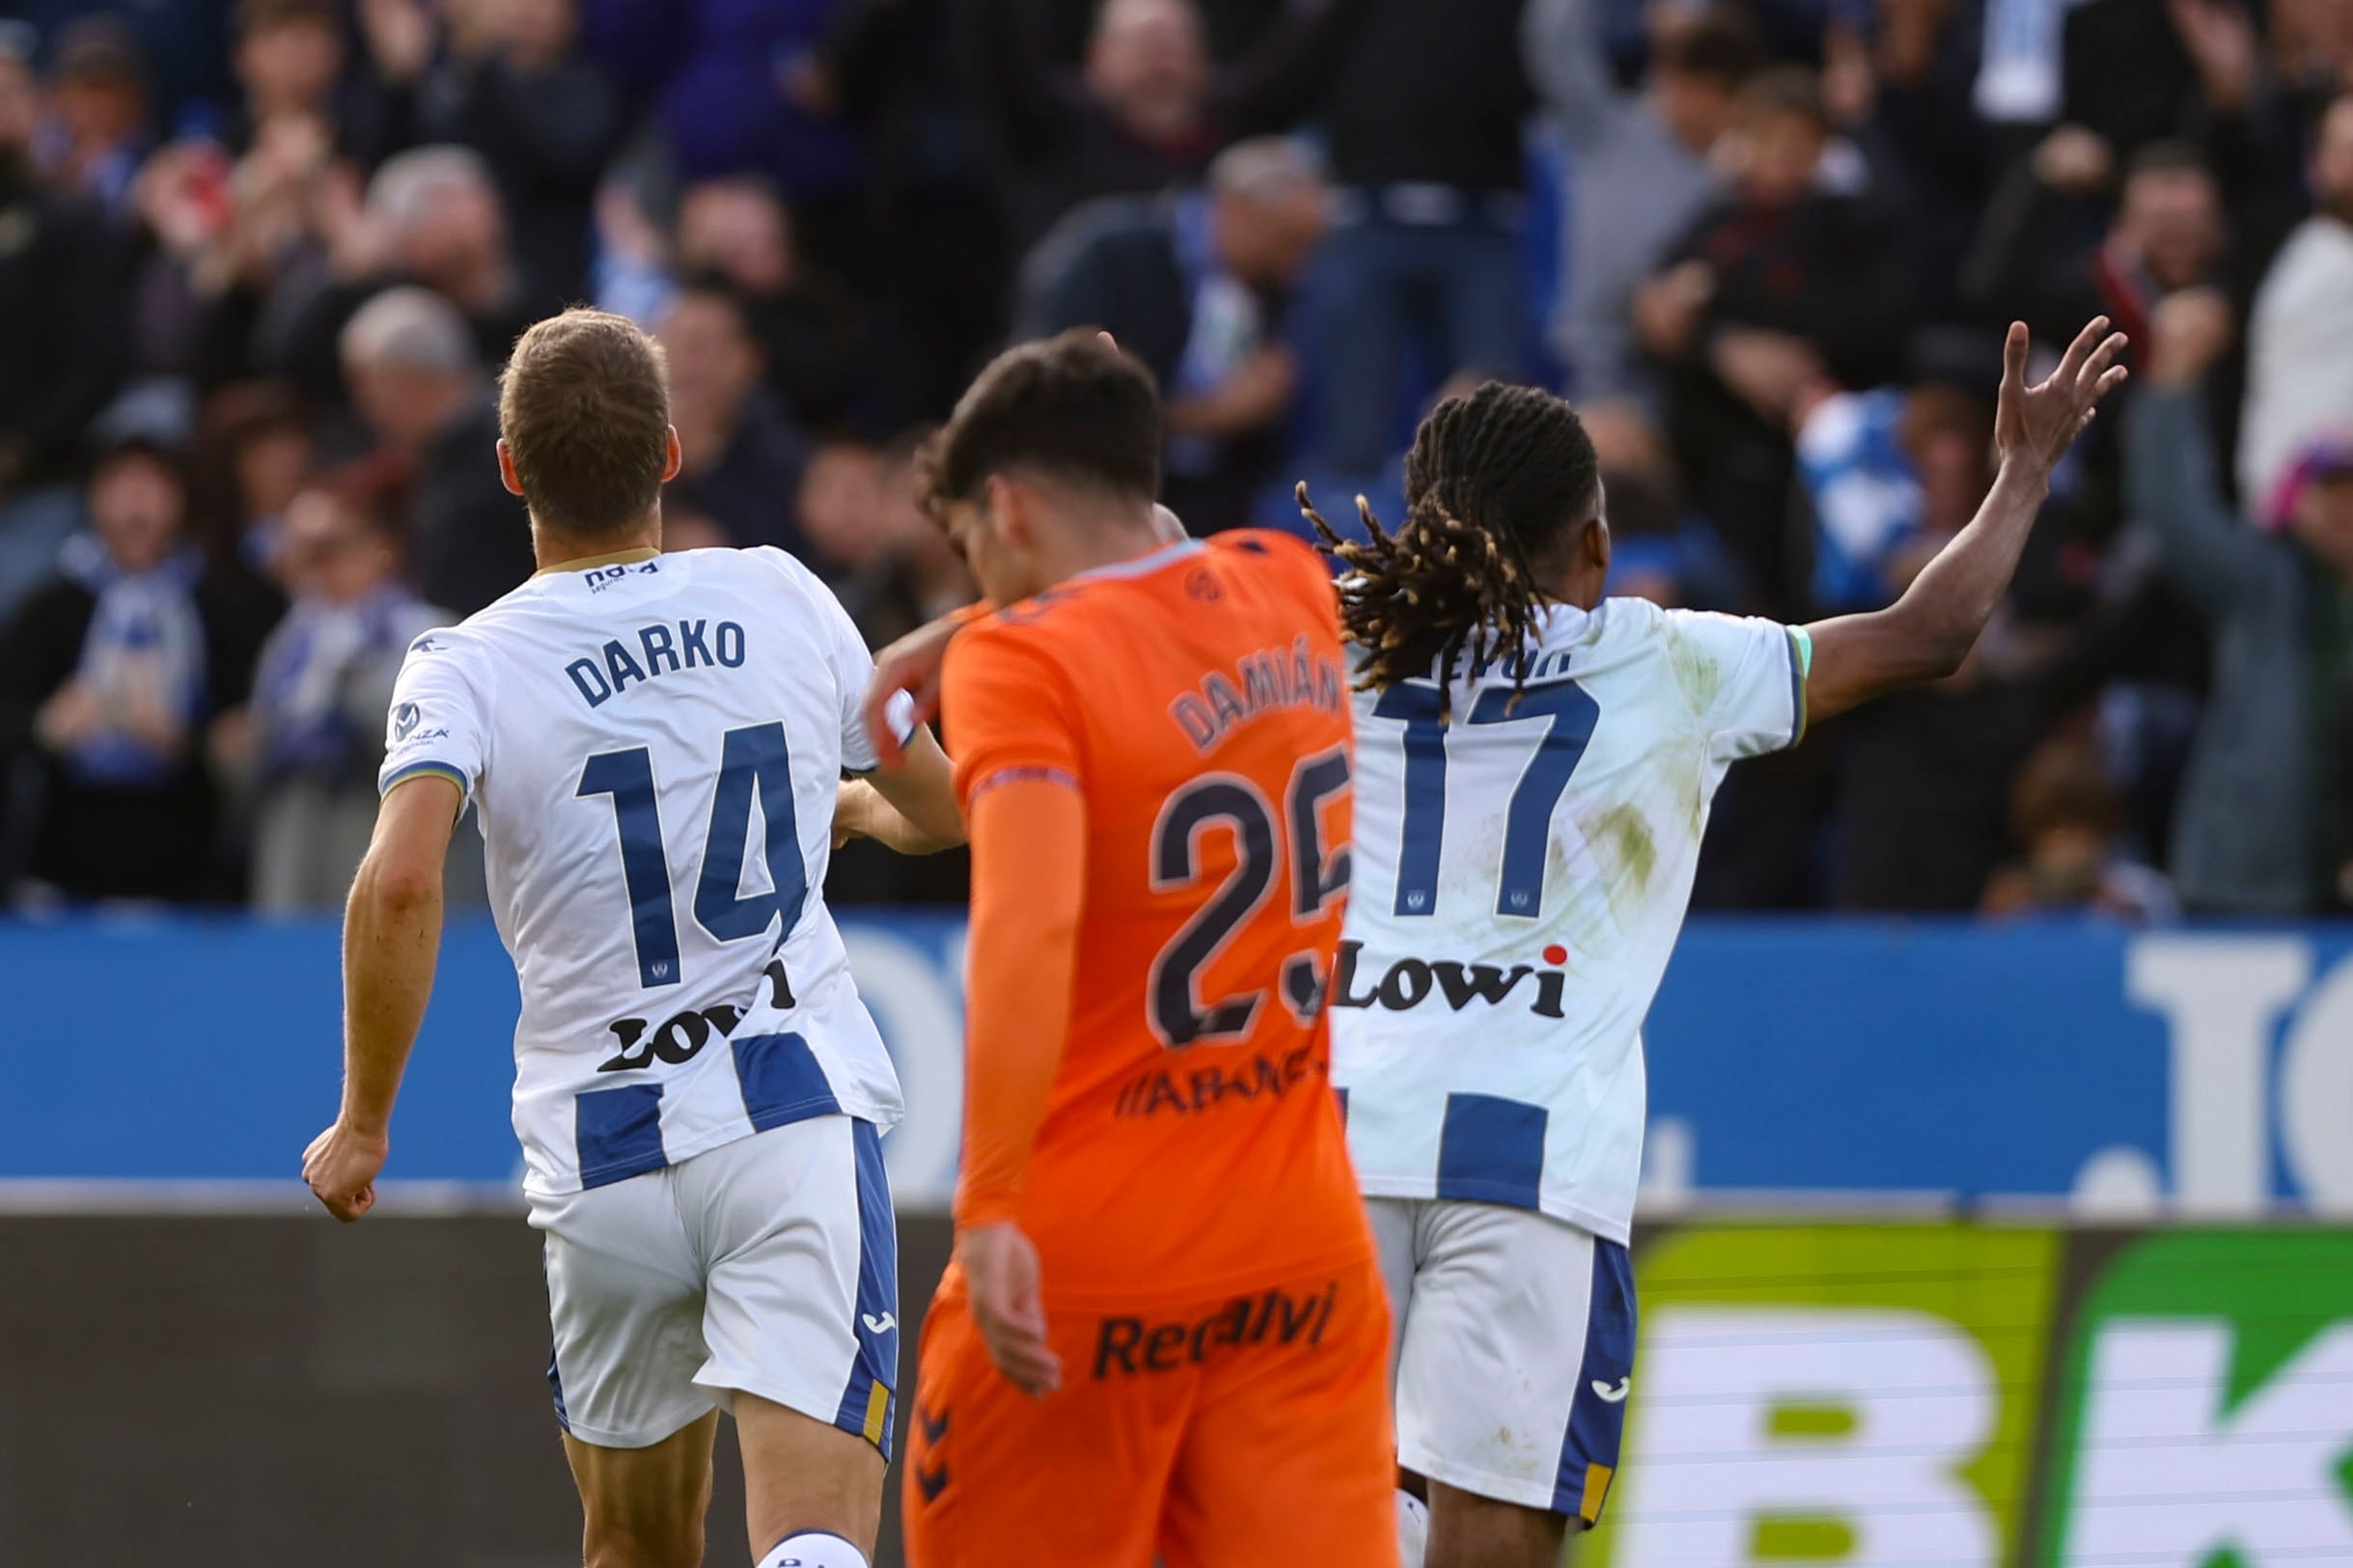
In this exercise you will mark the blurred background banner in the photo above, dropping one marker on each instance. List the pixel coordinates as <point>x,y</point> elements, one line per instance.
<point>2066,1067</point>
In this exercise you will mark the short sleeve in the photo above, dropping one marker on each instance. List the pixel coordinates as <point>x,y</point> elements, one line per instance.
<point>847,655</point>
<point>854,670</point>
<point>1746,679</point>
<point>438,723</point>
<point>1010,712</point>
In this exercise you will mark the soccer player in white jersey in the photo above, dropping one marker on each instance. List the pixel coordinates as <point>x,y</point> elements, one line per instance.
<point>1535,768</point>
<point>654,744</point>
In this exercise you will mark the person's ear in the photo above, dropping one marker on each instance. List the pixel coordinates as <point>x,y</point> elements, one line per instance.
<point>1597,545</point>
<point>505,468</point>
<point>674,457</point>
<point>1005,513</point>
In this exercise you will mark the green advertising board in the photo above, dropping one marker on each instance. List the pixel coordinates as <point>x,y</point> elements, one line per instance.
<point>1968,1396</point>
<point>2204,1414</point>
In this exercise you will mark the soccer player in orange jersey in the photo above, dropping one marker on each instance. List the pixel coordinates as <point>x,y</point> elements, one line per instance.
<point>1163,1334</point>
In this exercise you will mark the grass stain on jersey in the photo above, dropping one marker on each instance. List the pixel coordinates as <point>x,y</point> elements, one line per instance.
<point>1626,852</point>
<point>1699,676</point>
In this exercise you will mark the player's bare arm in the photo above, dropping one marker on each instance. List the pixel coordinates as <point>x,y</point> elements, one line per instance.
<point>909,806</point>
<point>391,937</point>
<point>1928,633</point>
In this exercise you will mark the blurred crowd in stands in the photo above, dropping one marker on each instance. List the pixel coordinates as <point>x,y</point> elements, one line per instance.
<point>260,261</point>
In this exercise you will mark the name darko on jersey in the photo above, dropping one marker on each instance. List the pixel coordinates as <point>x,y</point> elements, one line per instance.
<point>658,649</point>
<point>1267,682</point>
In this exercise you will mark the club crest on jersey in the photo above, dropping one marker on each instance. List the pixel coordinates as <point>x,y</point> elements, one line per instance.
<point>1409,983</point>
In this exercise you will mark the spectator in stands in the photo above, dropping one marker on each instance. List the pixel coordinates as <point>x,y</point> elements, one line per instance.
<point>436,214</point>
<point>1195,286</point>
<point>288,59</point>
<point>2300,337</point>
<point>743,456</point>
<point>2066,815</point>
<point>1894,473</point>
<point>417,386</point>
<point>109,675</point>
<point>720,73</point>
<point>1787,280</point>
<point>738,229</point>
<point>1898,78</point>
<point>519,93</point>
<point>2250,835</point>
<point>99,129</point>
<point>935,276</point>
<point>2168,234</point>
<point>1640,171</point>
<point>255,452</point>
<point>1422,121</point>
<point>1149,108</point>
<point>309,742</point>
<point>260,250</point>
<point>431,217</point>
<point>891,567</point>
<point>61,343</point>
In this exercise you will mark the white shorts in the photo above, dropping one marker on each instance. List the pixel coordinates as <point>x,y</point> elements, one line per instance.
<point>1512,1350</point>
<point>766,1266</point>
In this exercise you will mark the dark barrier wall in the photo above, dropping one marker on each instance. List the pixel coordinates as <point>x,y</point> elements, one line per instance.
<point>277,1391</point>
<point>281,1391</point>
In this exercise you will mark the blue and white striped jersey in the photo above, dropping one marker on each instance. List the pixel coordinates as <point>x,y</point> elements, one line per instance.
<point>1521,868</point>
<point>653,747</point>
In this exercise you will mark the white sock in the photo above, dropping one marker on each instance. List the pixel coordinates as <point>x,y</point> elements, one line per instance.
<point>1413,1528</point>
<point>814,1548</point>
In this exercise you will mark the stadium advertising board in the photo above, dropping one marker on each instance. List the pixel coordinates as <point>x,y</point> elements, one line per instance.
<point>2087,1069</point>
<point>1965,1396</point>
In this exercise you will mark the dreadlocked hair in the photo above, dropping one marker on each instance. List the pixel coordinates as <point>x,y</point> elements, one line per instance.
<point>1494,485</point>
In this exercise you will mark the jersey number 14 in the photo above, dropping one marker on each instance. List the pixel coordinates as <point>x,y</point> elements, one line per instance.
<point>752,761</point>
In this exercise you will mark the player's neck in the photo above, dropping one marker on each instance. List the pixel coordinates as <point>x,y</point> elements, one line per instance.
<point>1580,586</point>
<point>554,550</point>
<point>1080,550</point>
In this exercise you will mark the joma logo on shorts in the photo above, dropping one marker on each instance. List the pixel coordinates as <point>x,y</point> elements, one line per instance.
<point>1132,1345</point>
<point>1409,982</point>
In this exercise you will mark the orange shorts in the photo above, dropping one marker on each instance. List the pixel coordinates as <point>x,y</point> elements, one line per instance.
<point>1249,1432</point>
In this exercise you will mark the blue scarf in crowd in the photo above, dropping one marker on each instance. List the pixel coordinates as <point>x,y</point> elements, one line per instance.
<point>146,645</point>
<point>312,716</point>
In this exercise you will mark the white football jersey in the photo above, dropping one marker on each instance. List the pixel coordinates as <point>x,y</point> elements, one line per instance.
<point>653,747</point>
<point>1521,870</point>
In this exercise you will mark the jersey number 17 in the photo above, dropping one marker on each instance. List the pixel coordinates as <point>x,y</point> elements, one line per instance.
<point>1571,716</point>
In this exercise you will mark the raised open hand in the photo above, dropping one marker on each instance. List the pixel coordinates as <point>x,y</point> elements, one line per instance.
<point>2036,425</point>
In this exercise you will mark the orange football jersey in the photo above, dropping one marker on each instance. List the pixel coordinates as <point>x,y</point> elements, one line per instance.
<point>1197,699</point>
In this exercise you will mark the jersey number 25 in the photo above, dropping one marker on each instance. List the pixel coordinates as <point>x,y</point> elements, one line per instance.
<point>1178,1015</point>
